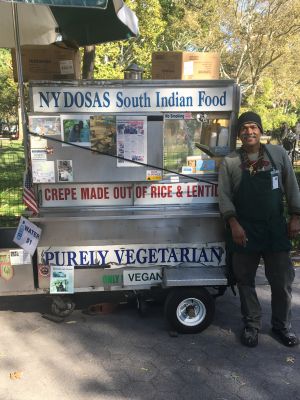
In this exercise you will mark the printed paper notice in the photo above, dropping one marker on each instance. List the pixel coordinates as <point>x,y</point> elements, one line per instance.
<point>44,125</point>
<point>131,140</point>
<point>19,257</point>
<point>43,171</point>
<point>38,154</point>
<point>37,142</point>
<point>65,170</point>
<point>27,235</point>
<point>62,279</point>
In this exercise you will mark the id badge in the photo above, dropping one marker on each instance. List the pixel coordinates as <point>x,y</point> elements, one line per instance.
<point>275,179</point>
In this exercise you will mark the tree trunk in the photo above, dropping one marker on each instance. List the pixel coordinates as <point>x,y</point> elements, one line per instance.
<point>88,62</point>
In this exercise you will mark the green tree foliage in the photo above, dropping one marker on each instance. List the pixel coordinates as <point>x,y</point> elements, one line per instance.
<point>273,114</point>
<point>8,89</point>
<point>257,34</point>
<point>191,25</point>
<point>113,58</point>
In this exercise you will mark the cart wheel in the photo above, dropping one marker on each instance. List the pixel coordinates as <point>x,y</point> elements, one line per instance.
<point>62,307</point>
<point>190,310</point>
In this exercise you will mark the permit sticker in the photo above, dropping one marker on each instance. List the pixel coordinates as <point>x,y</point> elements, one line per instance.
<point>275,179</point>
<point>153,175</point>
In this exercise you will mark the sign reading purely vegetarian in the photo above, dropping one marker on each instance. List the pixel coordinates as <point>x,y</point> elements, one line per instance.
<point>133,255</point>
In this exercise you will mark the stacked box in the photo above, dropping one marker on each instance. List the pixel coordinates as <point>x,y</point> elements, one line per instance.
<point>53,62</point>
<point>185,65</point>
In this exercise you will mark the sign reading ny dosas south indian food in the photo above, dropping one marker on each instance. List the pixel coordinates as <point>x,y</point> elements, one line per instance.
<point>135,99</point>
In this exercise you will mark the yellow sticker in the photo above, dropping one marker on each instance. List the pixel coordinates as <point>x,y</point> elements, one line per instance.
<point>153,175</point>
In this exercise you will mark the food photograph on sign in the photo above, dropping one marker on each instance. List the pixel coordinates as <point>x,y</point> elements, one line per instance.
<point>76,129</point>
<point>131,140</point>
<point>103,133</point>
<point>64,170</point>
<point>44,125</point>
<point>62,279</point>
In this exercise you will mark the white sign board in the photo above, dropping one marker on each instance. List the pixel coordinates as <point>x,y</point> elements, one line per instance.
<point>175,193</point>
<point>134,255</point>
<point>128,194</point>
<point>131,140</point>
<point>27,235</point>
<point>65,195</point>
<point>145,99</point>
<point>139,277</point>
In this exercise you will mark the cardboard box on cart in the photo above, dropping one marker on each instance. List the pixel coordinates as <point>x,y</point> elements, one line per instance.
<point>53,62</point>
<point>185,65</point>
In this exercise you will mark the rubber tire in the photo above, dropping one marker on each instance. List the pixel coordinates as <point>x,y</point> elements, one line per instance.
<point>176,296</point>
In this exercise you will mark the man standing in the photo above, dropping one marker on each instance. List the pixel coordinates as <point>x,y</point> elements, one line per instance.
<point>252,182</point>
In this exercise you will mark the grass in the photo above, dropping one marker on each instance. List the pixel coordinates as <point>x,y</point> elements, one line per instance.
<point>12,166</point>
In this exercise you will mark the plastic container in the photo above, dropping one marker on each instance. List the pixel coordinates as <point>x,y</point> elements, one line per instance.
<point>213,139</point>
<point>223,137</point>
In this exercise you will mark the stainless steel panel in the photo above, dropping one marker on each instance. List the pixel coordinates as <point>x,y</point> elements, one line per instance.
<point>92,167</point>
<point>72,232</point>
<point>21,281</point>
<point>87,226</point>
<point>193,276</point>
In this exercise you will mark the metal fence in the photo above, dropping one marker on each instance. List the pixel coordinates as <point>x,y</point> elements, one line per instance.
<point>12,165</point>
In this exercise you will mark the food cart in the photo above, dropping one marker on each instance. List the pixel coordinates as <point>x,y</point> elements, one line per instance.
<point>126,176</point>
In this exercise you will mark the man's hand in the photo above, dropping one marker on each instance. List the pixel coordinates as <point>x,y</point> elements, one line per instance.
<point>238,234</point>
<point>294,226</point>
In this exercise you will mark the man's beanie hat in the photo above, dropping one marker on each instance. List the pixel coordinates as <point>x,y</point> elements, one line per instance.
<point>248,117</point>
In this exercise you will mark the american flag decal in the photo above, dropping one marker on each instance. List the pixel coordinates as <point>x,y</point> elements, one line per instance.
<point>28,193</point>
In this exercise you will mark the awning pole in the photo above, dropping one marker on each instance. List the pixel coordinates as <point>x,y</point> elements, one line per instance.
<point>20,78</point>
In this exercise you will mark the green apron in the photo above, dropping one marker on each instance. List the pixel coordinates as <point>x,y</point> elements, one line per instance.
<point>260,212</point>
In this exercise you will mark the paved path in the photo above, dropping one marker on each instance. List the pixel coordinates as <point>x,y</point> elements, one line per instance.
<point>121,356</point>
